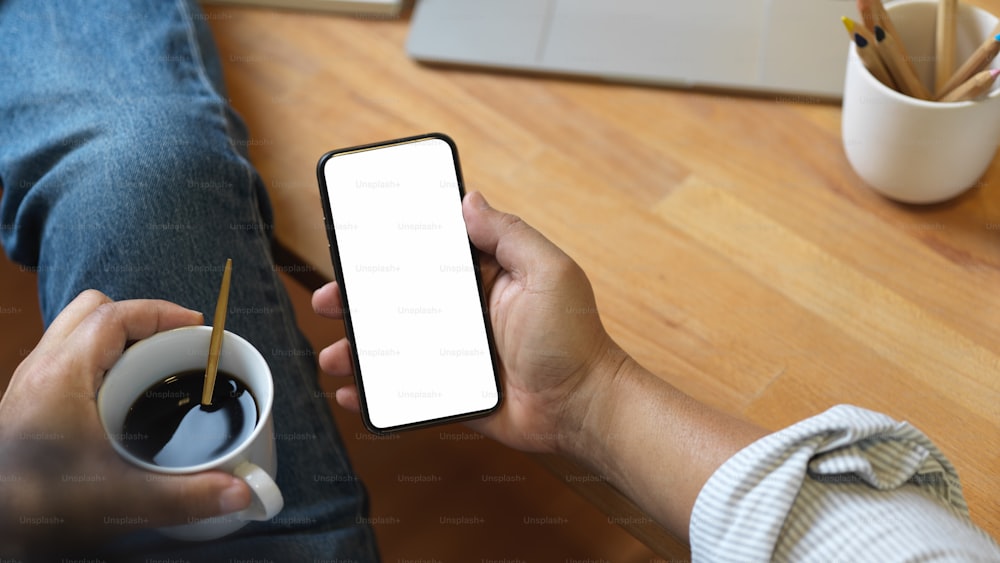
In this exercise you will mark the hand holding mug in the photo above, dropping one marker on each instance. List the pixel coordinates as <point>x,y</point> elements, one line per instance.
<point>61,477</point>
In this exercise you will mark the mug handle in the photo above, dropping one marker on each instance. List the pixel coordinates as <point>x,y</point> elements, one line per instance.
<point>266,500</point>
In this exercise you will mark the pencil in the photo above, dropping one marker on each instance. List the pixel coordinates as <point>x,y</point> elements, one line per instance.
<point>899,67</point>
<point>979,60</point>
<point>873,14</point>
<point>944,44</point>
<point>979,84</point>
<point>868,52</point>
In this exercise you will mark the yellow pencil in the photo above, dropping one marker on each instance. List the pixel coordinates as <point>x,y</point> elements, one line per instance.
<point>979,60</point>
<point>944,64</point>
<point>979,84</point>
<point>899,67</point>
<point>865,46</point>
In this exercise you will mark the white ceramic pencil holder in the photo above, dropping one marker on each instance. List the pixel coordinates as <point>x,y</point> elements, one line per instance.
<point>912,150</point>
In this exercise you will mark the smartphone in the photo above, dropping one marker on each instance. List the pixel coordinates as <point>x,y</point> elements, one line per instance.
<point>414,307</point>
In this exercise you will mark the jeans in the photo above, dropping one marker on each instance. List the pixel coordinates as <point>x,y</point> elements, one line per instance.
<point>124,169</point>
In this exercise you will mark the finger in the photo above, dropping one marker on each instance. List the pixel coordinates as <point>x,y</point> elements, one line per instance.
<point>117,497</point>
<point>348,397</point>
<point>99,339</point>
<point>179,499</point>
<point>335,359</point>
<point>72,315</point>
<point>478,214</point>
<point>517,247</point>
<point>326,301</point>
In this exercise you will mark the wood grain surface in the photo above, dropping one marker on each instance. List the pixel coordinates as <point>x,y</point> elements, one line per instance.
<point>732,249</point>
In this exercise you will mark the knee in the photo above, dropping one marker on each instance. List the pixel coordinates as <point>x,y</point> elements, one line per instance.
<point>177,154</point>
<point>159,167</point>
<point>144,189</point>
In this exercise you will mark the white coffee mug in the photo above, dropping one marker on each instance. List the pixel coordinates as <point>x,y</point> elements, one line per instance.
<point>152,360</point>
<point>918,151</point>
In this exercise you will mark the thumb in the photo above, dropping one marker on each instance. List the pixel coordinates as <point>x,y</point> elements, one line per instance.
<point>516,245</point>
<point>181,499</point>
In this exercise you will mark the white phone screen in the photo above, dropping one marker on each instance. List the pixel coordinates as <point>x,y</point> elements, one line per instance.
<point>414,312</point>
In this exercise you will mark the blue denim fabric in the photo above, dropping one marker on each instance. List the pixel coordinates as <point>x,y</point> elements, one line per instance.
<point>124,169</point>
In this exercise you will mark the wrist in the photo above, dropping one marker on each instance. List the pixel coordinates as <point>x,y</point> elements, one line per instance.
<point>587,421</point>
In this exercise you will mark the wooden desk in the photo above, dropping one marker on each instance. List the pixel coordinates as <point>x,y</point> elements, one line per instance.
<point>731,247</point>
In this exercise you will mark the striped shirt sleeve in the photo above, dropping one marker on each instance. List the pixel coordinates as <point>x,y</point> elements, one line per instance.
<point>846,485</point>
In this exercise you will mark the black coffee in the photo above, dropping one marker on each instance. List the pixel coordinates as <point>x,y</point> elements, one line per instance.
<point>168,426</point>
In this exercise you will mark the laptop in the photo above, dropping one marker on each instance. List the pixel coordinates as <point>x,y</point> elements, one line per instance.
<point>791,48</point>
<point>359,8</point>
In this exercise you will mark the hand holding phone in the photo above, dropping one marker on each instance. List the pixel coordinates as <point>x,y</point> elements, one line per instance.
<point>554,353</point>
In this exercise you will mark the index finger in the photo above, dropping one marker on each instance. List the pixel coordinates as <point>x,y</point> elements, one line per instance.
<point>72,315</point>
<point>99,339</point>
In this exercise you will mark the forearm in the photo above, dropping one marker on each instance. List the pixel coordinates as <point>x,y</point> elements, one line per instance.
<point>653,442</point>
